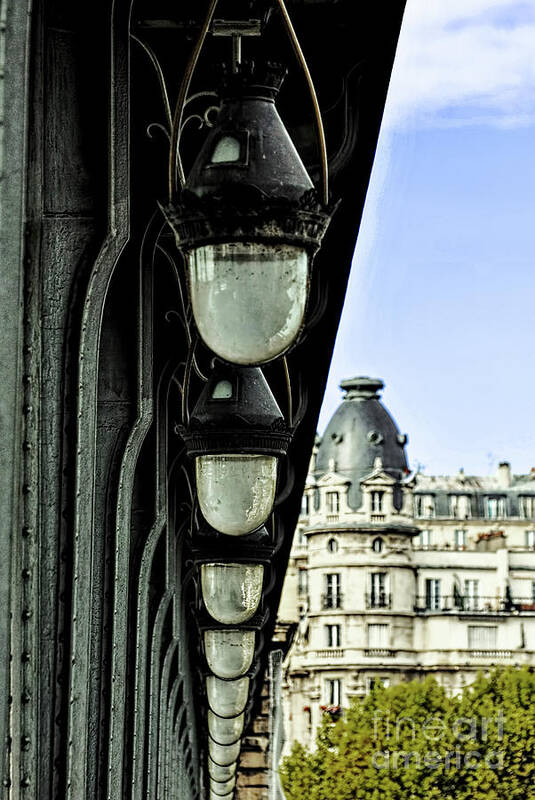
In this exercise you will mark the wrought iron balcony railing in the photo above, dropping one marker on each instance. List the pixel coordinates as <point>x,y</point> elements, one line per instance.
<point>378,600</point>
<point>474,605</point>
<point>332,600</point>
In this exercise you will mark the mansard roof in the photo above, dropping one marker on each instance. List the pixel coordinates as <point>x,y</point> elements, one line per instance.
<point>473,484</point>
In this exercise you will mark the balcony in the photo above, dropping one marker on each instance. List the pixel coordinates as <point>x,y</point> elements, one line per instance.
<point>474,605</point>
<point>378,600</point>
<point>331,600</point>
<point>379,652</point>
<point>494,654</point>
<point>328,652</point>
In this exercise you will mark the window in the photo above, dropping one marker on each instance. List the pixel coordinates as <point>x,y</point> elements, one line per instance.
<point>378,596</point>
<point>301,538</point>
<point>530,539</point>
<point>460,539</point>
<point>378,637</point>
<point>424,539</point>
<point>527,506</point>
<point>377,680</point>
<point>226,150</point>
<point>302,581</point>
<point>332,597</point>
<point>471,595</point>
<point>377,545</point>
<point>333,692</point>
<point>377,501</point>
<point>460,506</point>
<point>332,635</point>
<point>332,546</point>
<point>333,502</point>
<point>432,594</point>
<point>482,637</point>
<point>424,505</point>
<point>495,507</point>
<point>305,505</point>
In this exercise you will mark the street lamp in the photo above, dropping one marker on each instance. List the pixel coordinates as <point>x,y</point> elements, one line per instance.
<point>229,651</point>
<point>225,731</point>
<point>219,773</point>
<point>236,433</point>
<point>231,592</point>
<point>223,754</point>
<point>248,223</point>
<point>227,698</point>
<point>222,789</point>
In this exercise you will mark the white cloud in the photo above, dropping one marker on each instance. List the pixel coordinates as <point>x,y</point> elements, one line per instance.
<point>464,62</point>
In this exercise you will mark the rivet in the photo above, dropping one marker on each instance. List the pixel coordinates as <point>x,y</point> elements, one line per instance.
<point>27,530</point>
<point>26,696</point>
<point>26,573</point>
<point>25,781</point>
<point>27,613</point>
<point>27,408</point>
<point>25,742</point>
<point>25,656</point>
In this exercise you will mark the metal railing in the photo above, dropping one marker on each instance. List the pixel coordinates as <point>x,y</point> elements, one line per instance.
<point>329,652</point>
<point>379,652</point>
<point>332,600</point>
<point>474,605</point>
<point>502,654</point>
<point>378,600</point>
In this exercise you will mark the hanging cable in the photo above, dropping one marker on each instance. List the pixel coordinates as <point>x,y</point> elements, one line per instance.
<point>176,168</point>
<point>317,112</point>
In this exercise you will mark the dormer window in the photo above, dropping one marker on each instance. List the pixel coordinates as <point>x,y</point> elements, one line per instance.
<point>332,546</point>
<point>495,507</point>
<point>377,502</point>
<point>424,505</point>
<point>460,506</point>
<point>333,502</point>
<point>527,506</point>
<point>377,545</point>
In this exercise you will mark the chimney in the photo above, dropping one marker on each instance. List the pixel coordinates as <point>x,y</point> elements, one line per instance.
<point>504,475</point>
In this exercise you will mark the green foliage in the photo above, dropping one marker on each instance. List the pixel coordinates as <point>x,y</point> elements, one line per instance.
<point>414,742</point>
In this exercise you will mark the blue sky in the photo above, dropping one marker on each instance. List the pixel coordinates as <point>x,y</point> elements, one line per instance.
<point>442,292</point>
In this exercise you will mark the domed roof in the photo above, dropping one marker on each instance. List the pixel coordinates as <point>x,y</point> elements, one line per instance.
<point>361,430</point>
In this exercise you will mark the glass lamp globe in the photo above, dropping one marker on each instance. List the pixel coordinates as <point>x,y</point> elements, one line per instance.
<point>221,789</point>
<point>227,698</point>
<point>248,298</point>
<point>229,653</point>
<point>232,592</point>
<point>236,492</point>
<point>219,773</point>
<point>225,731</point>
<point>223,754</point>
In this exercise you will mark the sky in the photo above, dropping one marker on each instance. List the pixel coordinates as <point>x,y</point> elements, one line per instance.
<point>441,297</point>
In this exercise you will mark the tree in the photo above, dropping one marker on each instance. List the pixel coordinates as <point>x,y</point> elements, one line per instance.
<point>414,742</point>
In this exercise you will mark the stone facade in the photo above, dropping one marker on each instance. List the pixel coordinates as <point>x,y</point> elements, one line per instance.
<point>418,575</point>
